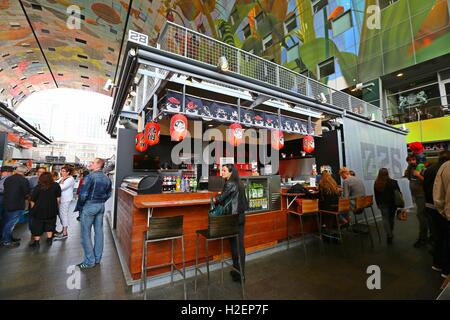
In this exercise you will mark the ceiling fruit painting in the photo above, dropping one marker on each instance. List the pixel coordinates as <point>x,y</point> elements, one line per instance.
<point>78,44</point>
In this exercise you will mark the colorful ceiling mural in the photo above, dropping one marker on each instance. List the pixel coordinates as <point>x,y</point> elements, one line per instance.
<point>40,49</point>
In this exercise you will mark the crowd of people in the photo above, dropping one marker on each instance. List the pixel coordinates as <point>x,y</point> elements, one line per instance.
<point>48,197</point>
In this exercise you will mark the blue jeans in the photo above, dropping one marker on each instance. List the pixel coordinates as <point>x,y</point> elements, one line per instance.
<point>92,215</point>
<point>9,222</point>
<point>2,211</point>
<point>388,214</point>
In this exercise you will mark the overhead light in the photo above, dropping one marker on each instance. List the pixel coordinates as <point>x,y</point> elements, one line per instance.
<point>108,85</point>
<point>354,89</point>
<point>400,74</point>
<point>133,93</point>
<point>136,80</point>
<point>210,125</point>
<point>372,117</point>
<point>322,98</point>
<point>223,63</point>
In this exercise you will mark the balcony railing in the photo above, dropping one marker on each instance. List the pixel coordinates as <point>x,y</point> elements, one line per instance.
<point>193,45</point>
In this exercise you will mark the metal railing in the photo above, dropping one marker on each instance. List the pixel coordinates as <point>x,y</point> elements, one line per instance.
<point>193,45</point>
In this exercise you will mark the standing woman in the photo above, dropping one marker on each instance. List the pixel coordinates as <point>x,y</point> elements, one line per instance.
<point>234,192</point>
<point>66,183</point>
<point>44,202</point>
<point>384,196</point>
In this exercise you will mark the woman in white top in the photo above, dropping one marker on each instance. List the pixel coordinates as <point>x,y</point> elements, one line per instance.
<point>66,182</point>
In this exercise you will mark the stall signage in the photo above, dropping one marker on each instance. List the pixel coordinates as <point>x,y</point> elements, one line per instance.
<point>138,37</point>
<point>203,108</point>
<point>14,138</point>
<point>178,127</point>
<point>152,133</point>
<point>277,139</point>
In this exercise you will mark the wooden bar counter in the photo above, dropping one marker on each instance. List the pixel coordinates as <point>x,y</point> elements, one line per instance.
<point>261,229</point>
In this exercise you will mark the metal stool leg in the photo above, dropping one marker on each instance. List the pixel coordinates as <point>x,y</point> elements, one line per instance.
<point>207,260</point>
<point>184,268</point>
<point>240,267</point>
<point>145,270</point>
<point>196,264</point>
<point>376,224</point>
<point>339,229</point>
<point>287,229</point>
<point>221,240</point>
<point>303,234</point>
<point>319,227</point>
<point>368,228</point>
<point>171,263</point>
<point>142,265</point>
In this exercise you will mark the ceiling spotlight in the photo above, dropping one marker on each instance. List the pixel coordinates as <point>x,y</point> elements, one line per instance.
<point>136,80</point>
<point>223,63</point>
<point>400,74</point>
<point>108,85</point>
<point>133,91</point>
<point>322,98</point>
<point>372,117</point>
<point>210,125</point>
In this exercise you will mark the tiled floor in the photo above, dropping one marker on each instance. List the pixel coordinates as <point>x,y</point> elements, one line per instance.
<point>333,274</point>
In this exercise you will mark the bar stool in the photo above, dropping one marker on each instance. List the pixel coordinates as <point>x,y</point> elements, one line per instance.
<point>360,206</point>
<point>219,228</point>
<point>369,204</point>
<point>343,207</point>
<point>163,229</point>
<point>308,207</point>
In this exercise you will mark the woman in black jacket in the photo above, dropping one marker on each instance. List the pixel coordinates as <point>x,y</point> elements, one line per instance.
<point>384,196</point>
<point>233,194</point>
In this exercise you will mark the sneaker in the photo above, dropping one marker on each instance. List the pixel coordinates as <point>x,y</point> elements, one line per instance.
<point>61,237</point>
<point>436,269</point>
<point>11,245</point>
<point>57,233</point>
<point>34,244</point>
<point>83,266</point>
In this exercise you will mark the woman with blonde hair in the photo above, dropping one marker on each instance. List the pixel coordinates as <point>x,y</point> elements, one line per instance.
<point>329,193</point>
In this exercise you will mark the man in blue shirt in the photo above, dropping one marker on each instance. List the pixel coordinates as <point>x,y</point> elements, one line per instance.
<point>95,191</point>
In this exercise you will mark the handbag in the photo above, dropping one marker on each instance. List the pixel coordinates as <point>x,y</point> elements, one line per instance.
<point>218,210</point>
<point>398,199</point>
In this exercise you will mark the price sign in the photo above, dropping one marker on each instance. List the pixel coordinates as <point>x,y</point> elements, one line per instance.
<point>138,37</point>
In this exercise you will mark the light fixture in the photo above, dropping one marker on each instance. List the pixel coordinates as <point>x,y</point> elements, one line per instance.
<point>400,74</point>
<point>108,85</point>
<point>372,117</point>
<point>322,98</point>
<point>136,80</point>
<point>223,63</point>
<point>133,91</point>
<point>210,125</point>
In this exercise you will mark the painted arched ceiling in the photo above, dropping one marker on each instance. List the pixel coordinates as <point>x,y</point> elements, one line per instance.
<point>40,50</point>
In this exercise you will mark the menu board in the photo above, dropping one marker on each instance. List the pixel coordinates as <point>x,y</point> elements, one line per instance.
<point>196,107</point>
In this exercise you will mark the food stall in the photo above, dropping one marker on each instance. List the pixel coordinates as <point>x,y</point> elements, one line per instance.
<point>191,117</point>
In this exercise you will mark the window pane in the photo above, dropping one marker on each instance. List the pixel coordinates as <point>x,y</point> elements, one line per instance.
<point>342,23</point>
<point>326,68</point>
<point>291,24</point>
<point>292,53</point>
<point>246,31</point>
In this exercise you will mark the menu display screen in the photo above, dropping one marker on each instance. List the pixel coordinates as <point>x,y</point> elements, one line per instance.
<point>144,162</point>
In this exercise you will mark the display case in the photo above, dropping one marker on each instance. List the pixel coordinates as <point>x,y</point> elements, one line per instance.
<point>263,193</point>
<point>183,180</point>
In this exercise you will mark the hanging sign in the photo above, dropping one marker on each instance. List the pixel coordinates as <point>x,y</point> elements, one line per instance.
<point>235,134</point>
<point>151,133</point>
<point>308,144</point>
<point>277,139</point>
<point>141,146</point>
<point>178,127</point>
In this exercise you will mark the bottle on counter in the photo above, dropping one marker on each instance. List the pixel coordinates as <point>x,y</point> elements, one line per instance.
<point>178,184</point>
<point>194,185</point>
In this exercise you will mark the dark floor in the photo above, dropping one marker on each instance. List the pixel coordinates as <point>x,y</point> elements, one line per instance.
<point>334,274</point>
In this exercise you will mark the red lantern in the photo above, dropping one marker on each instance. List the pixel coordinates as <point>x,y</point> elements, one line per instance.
<point>277,139</point>
<point>235,134</point>
<point>141,146</point>
<point>151,133</point>
<point>308,144</point>
<point>178,127</point>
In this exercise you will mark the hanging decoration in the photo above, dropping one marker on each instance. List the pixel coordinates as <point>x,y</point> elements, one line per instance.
<point>308,144</point>
<point>277,139</point>
<point>178,127</point>
<point>141,145</point>
<point>151,133</point>
<point>235,134</point>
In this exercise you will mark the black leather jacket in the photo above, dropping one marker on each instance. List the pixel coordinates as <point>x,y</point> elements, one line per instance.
<point>238,201</point>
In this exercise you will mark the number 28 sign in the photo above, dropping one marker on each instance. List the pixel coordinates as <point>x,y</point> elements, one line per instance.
<point>138,37</point>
